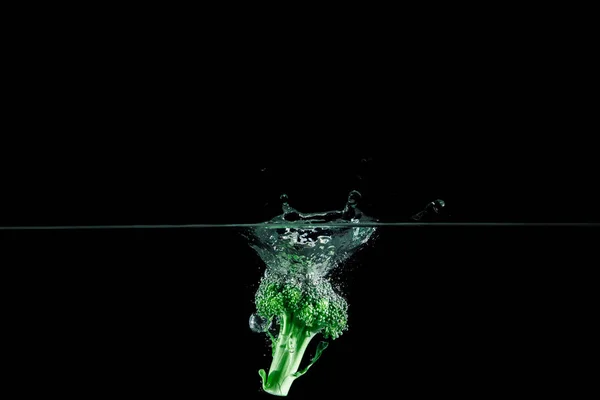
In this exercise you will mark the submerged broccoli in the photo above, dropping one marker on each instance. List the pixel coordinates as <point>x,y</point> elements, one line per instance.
<point>302,309</point>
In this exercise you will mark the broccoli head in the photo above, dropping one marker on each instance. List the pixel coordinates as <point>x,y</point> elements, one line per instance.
<point>302,309</point>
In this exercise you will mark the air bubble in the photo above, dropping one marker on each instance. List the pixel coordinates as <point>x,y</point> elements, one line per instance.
<point>258,324</point>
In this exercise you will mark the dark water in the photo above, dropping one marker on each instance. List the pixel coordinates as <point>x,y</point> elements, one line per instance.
<point>437,310</point>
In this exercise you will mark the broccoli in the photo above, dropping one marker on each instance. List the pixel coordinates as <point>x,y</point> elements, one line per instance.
<point>302,309</point>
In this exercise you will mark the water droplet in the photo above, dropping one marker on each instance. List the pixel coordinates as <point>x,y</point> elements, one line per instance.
<point>258,324</point>
<point>438,205</point>
<point>353,198</point>
<point>289,214</point>
<point>434,207</point>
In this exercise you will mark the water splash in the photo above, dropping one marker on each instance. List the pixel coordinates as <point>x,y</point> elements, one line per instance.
<point>301,249</point>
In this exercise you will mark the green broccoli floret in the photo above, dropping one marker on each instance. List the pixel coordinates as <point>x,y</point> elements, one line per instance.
<point>302,309</point>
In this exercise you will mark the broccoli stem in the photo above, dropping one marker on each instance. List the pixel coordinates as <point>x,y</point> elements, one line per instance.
<point>289,348</point>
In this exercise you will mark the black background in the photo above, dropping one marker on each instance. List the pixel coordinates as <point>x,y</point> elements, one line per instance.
<point>432,310</point>
<point>494,127</point>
